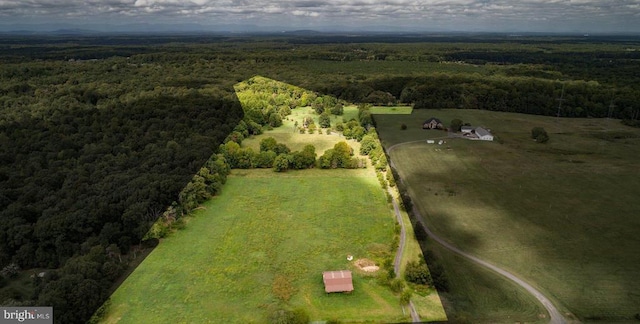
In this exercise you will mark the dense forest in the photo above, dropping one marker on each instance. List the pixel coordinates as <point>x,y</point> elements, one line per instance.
<point>100,135</point>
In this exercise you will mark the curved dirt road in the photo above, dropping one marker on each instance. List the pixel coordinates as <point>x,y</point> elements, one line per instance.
<point>555,317</point>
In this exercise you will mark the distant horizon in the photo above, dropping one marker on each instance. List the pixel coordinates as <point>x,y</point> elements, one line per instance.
<point>482,16</point>
<point>241,29</point>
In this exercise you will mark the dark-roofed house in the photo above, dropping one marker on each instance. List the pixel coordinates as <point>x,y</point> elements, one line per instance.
<point>432,123</point>
<point>337,281</point>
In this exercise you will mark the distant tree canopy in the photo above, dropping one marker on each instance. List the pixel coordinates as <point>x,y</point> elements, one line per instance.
<point>91,154</point>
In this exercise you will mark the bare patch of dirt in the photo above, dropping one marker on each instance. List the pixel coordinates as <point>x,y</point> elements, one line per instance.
<point>366,265</point>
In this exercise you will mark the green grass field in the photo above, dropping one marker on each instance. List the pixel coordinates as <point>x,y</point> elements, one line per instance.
<point>562,215</point>
<point>222,266</point>
<point>391,110</point>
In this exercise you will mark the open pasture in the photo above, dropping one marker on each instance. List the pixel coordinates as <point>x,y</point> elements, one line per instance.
<point>222,267</point>
<point>391,110</point>
<point>562,215</point>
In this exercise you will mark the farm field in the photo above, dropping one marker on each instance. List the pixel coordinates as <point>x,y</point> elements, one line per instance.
<point>262,244</point>
<point>222,267</point>
<point>388,110</point>
<point>561,215</point>
<point>391,110</point>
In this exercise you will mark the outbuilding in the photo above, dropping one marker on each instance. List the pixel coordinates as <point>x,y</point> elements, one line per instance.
<point>337,281</point>
<point>483,134</point>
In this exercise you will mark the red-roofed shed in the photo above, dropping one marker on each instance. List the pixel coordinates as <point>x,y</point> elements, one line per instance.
<point>337,281</point>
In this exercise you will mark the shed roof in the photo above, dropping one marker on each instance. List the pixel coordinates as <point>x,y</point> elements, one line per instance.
<point>482,132</point>
<point>337,281</point>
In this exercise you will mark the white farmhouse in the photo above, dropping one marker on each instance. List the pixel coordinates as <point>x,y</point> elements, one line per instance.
<point>483,134</point>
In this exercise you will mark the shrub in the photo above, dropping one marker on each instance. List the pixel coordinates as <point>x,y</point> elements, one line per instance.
<point>383,182</point>
<point>158,230</point>
<point>383,278</point>
<point>338,109</point>
<point>285,316</point>
<point>324,120</point>
<point>539,134</point>
<point>284,111</point>
<point>403,126</point>
<point>418,273</point>
<point>390,178</point>
<point>268,144</point>
<point>396,285</point>
<point>456,125</point>
<point>542,138</point>
<point>281,163</point>
<point>180,224</point>
<point>405,298</point>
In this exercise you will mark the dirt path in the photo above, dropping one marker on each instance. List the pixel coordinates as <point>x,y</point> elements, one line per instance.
<point>415,318</point>
<point>555,317</point>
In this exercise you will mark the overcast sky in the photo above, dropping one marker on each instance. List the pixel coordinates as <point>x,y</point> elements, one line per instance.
<point>588,16</point>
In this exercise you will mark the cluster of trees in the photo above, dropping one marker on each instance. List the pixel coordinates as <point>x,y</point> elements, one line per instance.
<point>272,155</point>
<point>539,134</point>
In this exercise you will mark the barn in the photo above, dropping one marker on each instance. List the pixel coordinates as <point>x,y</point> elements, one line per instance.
<point>337,281</point>
<point>483,134</point>
<point>432,123</point>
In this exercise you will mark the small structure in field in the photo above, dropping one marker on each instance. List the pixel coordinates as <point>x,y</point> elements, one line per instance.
<point>466,129</point>
<point>430,141</point>
<point>483,134</point>
<point>432,123</point>
<point>337,281</point>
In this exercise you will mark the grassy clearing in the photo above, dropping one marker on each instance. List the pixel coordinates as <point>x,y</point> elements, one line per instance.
<point>562,215</point>
<point>262,226</point>
<point>393,110</point>
<point>288,134</point>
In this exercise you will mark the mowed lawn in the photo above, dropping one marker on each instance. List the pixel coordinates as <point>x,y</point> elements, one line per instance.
<point>562,215</point>
<point>221,268</point>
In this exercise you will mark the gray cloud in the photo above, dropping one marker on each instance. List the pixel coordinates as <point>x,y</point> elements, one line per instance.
<point>621,15</point>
